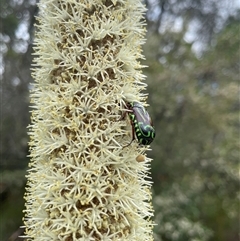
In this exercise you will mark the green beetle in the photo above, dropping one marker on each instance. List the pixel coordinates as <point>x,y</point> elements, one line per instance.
<point>142,126</point>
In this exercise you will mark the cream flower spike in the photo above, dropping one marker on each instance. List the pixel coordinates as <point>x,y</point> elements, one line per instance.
<point>82,184</point>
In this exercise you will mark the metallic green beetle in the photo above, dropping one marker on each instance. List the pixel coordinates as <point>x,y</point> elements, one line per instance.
<point>142,126</point>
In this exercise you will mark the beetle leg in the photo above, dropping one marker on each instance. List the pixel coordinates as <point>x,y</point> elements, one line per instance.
<point>124,114</point>
<point>133,136</point>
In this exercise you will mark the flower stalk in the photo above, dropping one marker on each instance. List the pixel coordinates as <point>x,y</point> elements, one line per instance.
<point>82,183</point>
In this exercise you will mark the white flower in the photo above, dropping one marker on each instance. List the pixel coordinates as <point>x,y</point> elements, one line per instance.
<point>82,183</point>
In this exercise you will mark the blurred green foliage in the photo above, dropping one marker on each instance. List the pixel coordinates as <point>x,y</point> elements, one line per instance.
<point>12,185</point>
<point>195,108</point>
<point>194,103</point>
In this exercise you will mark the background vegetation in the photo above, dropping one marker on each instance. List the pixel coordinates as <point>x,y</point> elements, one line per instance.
<point>193,54</point>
